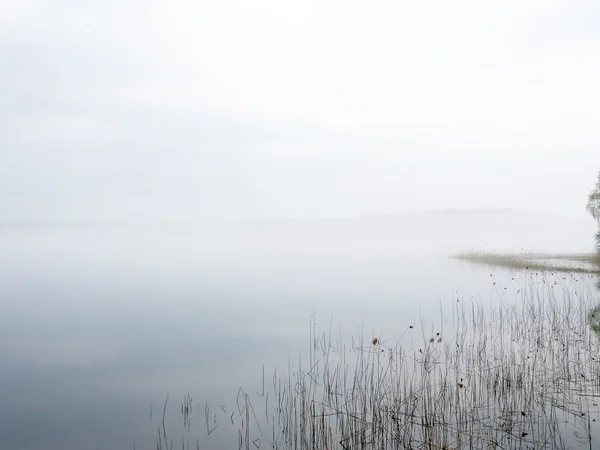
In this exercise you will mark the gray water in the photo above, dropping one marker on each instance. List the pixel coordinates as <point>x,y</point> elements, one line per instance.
<point>99,322</point>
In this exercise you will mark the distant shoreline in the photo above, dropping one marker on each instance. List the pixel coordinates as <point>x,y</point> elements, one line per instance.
<point>271,219</point>
<point>579,263</point>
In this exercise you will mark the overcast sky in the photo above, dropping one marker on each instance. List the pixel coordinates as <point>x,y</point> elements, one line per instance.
<point>174,110</point>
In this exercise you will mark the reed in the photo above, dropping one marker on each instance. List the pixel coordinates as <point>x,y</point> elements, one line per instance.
<point>519,375</point>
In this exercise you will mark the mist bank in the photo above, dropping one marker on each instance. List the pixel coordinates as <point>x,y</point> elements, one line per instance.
<point>446,231</point>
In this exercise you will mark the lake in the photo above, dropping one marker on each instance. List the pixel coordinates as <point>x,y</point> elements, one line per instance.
<point>98,323</point>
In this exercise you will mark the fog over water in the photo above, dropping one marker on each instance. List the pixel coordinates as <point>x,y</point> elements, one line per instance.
<point>100,322</point>
<point>184,184</point>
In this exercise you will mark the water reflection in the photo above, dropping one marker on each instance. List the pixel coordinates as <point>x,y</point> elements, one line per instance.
<point>594,318</point>
<point>595,312</point>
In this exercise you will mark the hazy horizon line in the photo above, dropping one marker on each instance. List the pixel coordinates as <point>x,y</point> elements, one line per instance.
<point>175,221</point>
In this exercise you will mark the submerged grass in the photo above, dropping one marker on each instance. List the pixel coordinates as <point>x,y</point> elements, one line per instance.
<point>521,375</point>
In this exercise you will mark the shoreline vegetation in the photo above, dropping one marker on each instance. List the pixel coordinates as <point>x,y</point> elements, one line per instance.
<point>519,372</point>
<point>588,263</point>
<point>516,374</point>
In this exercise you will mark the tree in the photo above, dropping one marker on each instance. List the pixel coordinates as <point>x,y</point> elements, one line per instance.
<point>593,204</point>
<point>593,207</point>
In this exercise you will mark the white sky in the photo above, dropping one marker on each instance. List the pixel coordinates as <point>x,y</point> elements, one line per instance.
<point>184,109</point>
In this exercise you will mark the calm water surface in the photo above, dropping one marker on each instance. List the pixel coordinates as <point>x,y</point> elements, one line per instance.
<point>99,323</point>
